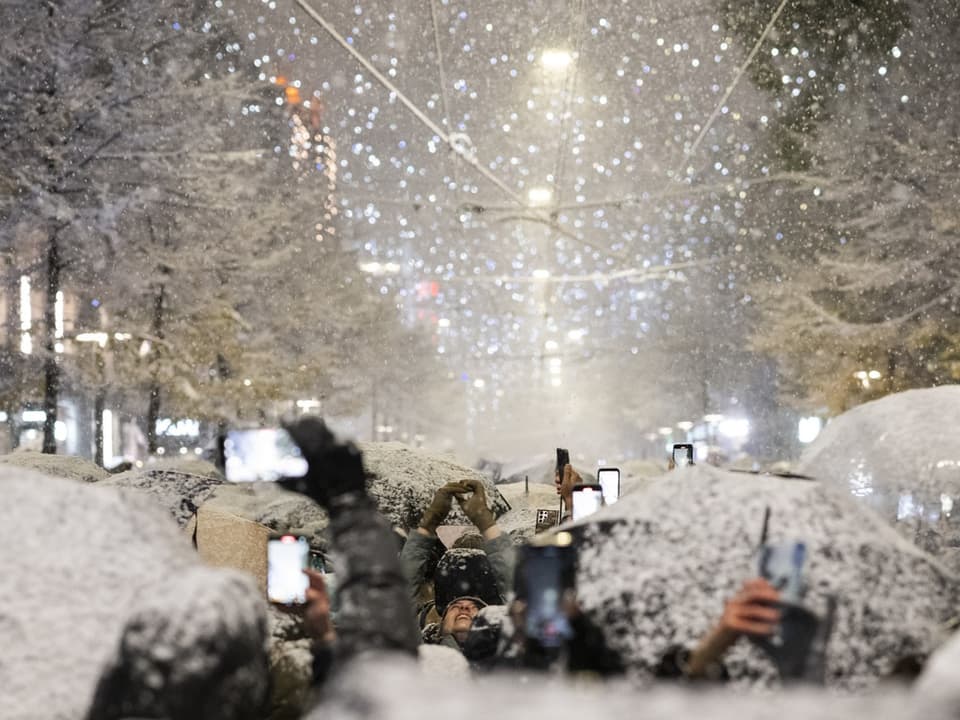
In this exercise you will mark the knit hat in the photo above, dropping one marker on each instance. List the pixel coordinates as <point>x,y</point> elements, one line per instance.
<point>465,573</point>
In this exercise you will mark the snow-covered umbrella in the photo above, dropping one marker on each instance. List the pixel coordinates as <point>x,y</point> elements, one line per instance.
<point>901,456</point>
<point>181,489</point>
<point>405,480</point>
<point>81,565</point>
<point>62,466</point>
<point>656,568</point>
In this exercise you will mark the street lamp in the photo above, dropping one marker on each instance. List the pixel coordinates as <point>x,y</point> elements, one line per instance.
<point>556,59</point>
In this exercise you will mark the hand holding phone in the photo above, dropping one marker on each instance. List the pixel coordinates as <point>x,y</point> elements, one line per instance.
<point>334,468</point>
<point>563,459</point>
<point>545,578</point>
<point>262,454</point>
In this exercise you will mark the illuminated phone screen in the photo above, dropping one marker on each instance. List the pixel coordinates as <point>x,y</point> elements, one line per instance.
<point>267,454</point>
<point>287,558</point>
<point>609,479</point>
<point>586,501</point>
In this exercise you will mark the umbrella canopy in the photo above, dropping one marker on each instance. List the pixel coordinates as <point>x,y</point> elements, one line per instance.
<point>901,456</point>
<point>656,568</point>
<point>62,466</point>
<point>80,564</point>
<point>405,480</point>
<point>181,490</point>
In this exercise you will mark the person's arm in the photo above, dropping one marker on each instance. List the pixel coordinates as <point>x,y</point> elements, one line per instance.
<point>375,611</point>
<point>423,549</point>
<point>750,612</point>
<point>420,553</point>
<point>571,478</point>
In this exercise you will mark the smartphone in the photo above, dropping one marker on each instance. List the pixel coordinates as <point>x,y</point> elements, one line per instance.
<point>782,566</point>
<point>287,557</point>
<point>609,479</point>
<point>563,459</point>
<point>682,454</point>
<point>587,499</point>
<point>263,454</point>
<point>544,575</point>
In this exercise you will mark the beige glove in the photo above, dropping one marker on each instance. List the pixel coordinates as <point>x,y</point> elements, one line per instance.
<point>475,506</point>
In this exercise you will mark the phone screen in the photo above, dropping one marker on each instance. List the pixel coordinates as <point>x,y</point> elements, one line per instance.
<point>287,557</point>
<point>782,565</point>
<point>609,479</point>
<point>266,454</point>
<point>547,574</point>
<point>682,455</point>
<point>586,500</point>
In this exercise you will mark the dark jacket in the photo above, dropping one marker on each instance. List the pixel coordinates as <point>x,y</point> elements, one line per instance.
<point>375,611</point>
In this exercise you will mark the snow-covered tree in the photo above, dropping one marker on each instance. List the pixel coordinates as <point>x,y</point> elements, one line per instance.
<point>853,255</point>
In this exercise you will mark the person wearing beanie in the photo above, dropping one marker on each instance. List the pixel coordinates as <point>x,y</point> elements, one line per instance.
<point>465,579</point>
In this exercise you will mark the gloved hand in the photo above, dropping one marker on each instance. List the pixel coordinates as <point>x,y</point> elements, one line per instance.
<point>335,470</point>
<point>475,507</point>
<point>438,510</point>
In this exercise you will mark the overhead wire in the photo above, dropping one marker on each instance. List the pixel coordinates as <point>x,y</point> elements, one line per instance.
<point>441,71</point>
<point>736,79</point>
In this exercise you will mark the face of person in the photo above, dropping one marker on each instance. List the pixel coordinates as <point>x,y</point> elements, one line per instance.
<point>459,617</point>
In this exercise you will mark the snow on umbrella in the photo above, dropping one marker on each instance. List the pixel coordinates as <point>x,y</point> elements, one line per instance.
<point>62,466</point>
<point>86,572</point>
<point>406,479</point>
<point>656,568</point>
<point>181,490</point>
<point>901,456</point>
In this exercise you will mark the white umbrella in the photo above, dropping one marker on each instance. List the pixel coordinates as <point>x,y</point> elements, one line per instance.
<point>901,456</point>
<point>405,480</point>
<point>656,568</point>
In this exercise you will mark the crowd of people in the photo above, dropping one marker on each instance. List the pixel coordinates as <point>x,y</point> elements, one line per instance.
<point>489,600</point>
<point>468,598</point>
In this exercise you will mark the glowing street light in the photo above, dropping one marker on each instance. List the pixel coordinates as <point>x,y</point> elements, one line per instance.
<point>539,196</point>
<point>556,59</point>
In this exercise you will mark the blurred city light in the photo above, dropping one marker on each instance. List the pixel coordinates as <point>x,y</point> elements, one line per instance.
<point>713,418</point>
<point>540,196</point>
<point>551,345</point>
<point>93,337</point>
<point>685,425</point>
<point>666,431</point>
<point>33,416</point>
<point>376,268</point>
<point>556,59</point>
<point>808,429</point>
<point>443,322</point>
<point>541,274</point>
<point>734,428</point>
